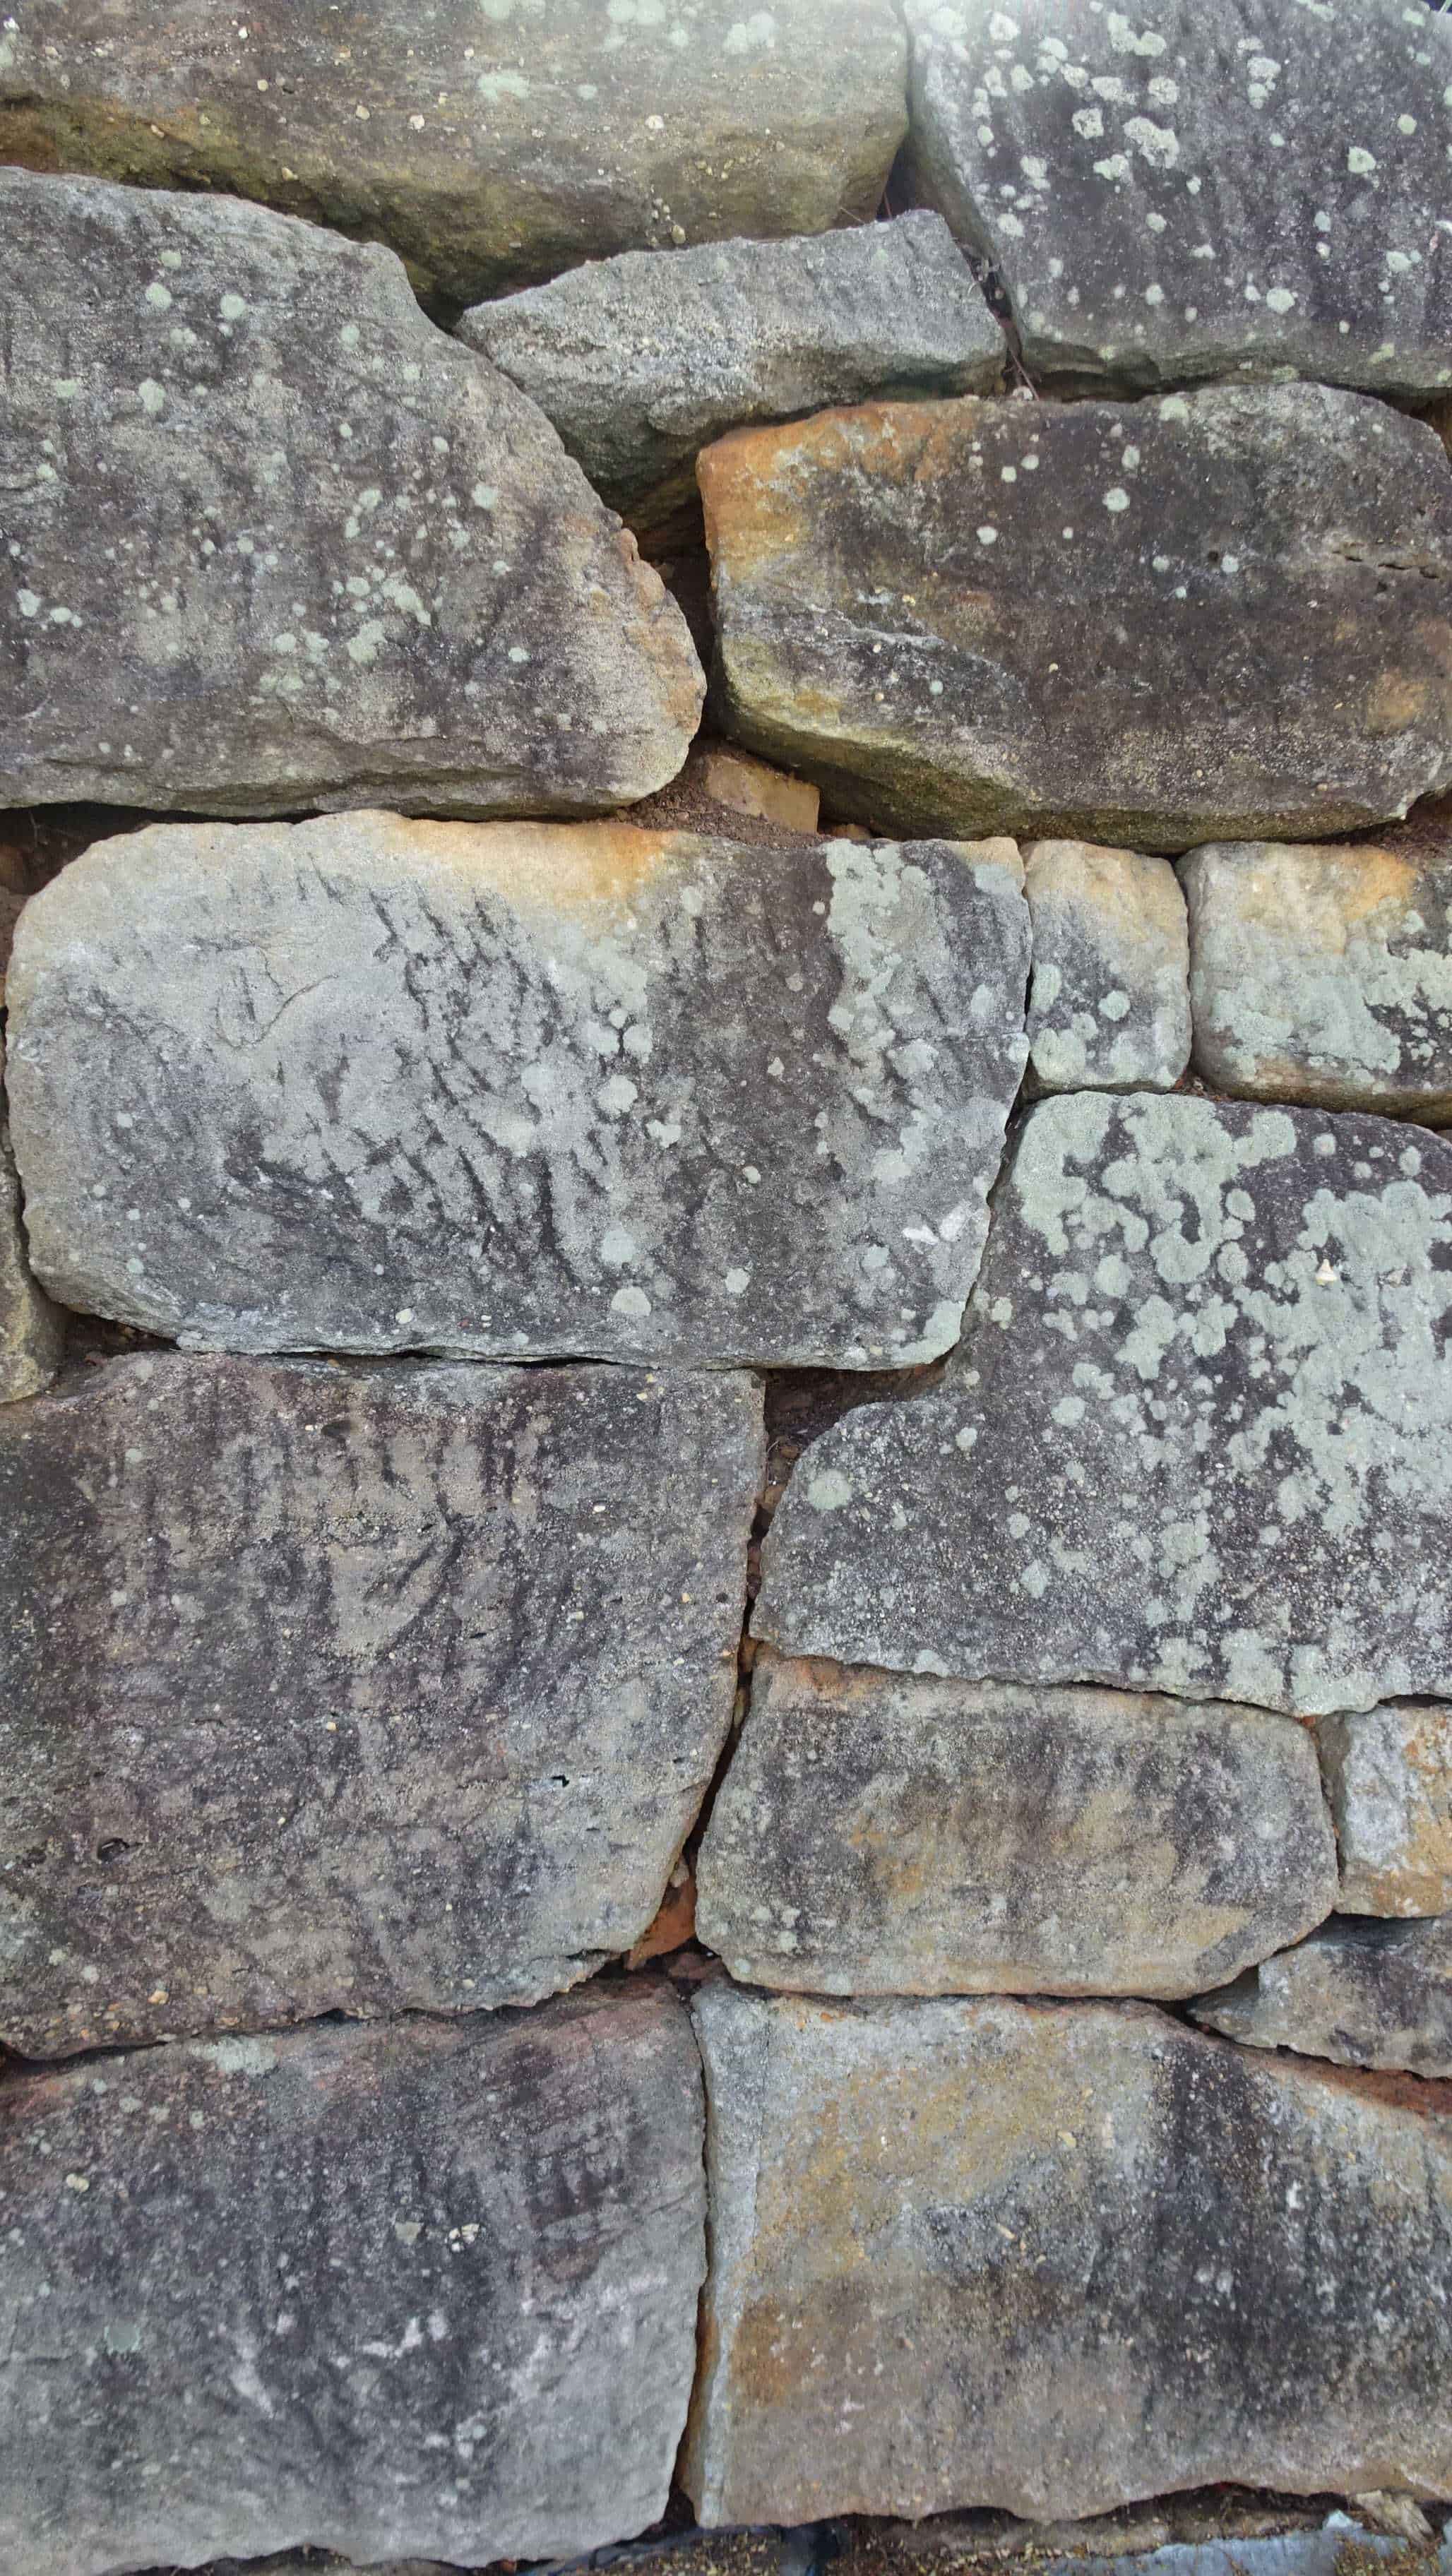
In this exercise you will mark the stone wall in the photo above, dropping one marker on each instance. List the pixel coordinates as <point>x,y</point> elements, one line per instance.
<point>725,1273</point>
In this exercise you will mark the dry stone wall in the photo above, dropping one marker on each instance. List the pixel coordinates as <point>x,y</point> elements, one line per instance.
<point>725,1278</point>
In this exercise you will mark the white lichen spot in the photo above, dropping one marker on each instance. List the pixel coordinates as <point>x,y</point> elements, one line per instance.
<point>828,1491</point>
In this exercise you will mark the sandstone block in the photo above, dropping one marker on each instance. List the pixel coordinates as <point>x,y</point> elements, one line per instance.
<point>429,2288</point>
<point>1109,622</point>
<point>1359,1992</point>
<point>353,1690</point>
<point>1236,187</point>
<point>490,147</point>
<point>277,542</point>
<point>1324,973</point>
<point>1109,1002</point>
<point>1388,1775</point>
<point>1053,2258</point>
<point>640,361</point>
<point>879,1833</point>
<point>372,1085</point>
<point>1195,1438</point>
<point>32,1332</point>
<point>753,787</point>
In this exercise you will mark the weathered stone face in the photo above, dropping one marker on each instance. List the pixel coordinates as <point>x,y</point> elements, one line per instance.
<point>1053,2258</point>
<point>31,1331</point>
<point>1388,1775</point>
<point>1238,188</point>
<point>884,1834</point>
<point>1109,1003</point>
<point>279,543</point>
<point>1324,974</point>
<point>377,1086</point>
<point>640,361</point>
<point>359,1690</point>
<point>1145,624</point>
<point>713,121</point>
<point>1195,1438</point>
<point>272,2275</point>
<point>1359,1992</point>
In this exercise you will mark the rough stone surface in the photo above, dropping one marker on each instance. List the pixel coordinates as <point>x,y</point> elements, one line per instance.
<point>1218,616</point>
<point>750,786</point>
<point>1363,1993</point>
<point>1195,1437</point>
<point>276,542</point>
<point>368,1085</point>
<point>880,1834</point>
<point>1325,974</point>
<point>1109,1003</point>
<point>1235,186</point>
<point>1388,1775</point>
<point>429,2288</point>
<point>32,1333</point>
<point>639,361</point>
<point>353,1689</point>
<point>491,146</point>
<point>1055,2257</point>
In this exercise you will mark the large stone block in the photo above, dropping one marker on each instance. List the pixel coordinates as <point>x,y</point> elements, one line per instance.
<point>1218,616</point>
<point>639,361</point>
<point>879,1833</point>
<point>1359,1992</point>
<point>1235,186</point>
<point>1109,1003</point>
<point>491,146</point>
<point>359,1084</point>
<point>361,1690</point>
<point>1197,1435</point>
<point>274,541</point>
<point>1325,974</point>
<point>429,2288</point>
<point>1388,1775</point>
<point>32,1332</point>
<point>1056,2257</point>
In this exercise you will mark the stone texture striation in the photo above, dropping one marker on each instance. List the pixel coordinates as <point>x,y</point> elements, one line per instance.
<point>1195,1437</point>
<point>427,2289</point>
<point>353,1689</point>
<point>1388,1775</point>
<point>878,1833</point>
<point>1204,188</point>
<point>640,361</point>
<point>1217,616</point>
<point>1053,2258</point>
<point>368,1085</point>
<point>1109,1003</point>
<point>490,146</point>
<point>277,542</point>
<point>1325,973</point>
<point>1359,1992</point>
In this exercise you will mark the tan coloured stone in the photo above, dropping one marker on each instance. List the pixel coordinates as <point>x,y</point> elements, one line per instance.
<point>885,1833</point>
<point>752,787</point>
<point>1100,621</point>
<point>1109,1000</point>
<point>1388,1775</point>
<point>1055,2257</point>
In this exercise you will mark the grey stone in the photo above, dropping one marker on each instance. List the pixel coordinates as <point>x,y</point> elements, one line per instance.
<point>1324,974</point>
<point>32,1332</point>
<point>424,2289</point>
<point>1388,1775</point>
<point>1195,1438</point>
<point>1217,616</point>
<point>878,1833</point>
<point>1359,1992</point>
<point>1056,2257</point>
<point>276,542</point>
<point>490,146</point>
<point>639,361</point>
<point>354,1690</point>
<point>368,1085</point>
<point>1246,186</point>
<point>1109,1001</point>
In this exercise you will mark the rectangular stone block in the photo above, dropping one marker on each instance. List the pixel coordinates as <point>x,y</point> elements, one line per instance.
<point>1359,1992</point>
<point>423,2290</point>
<point>1388,1775</point>
<point>353,1690</point>
<point>368,1085</point>
<point>1109,998</point>
<point>1052,2258</point>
